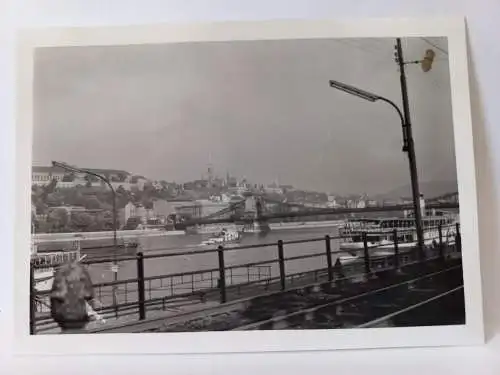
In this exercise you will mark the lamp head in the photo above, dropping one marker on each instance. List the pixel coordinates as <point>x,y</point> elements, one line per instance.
<point>64,166</point>
<point>354,91</point>
<point>426,63</point>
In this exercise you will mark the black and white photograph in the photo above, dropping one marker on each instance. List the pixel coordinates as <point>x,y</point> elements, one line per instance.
<point>246,185</point>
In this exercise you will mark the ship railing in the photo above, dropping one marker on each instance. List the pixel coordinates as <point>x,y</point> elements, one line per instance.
<point>384,231</point>
<point>53,259</point>
<point>223,281</point>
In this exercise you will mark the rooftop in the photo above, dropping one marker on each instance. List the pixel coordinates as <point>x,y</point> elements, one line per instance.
<point>44,169</point>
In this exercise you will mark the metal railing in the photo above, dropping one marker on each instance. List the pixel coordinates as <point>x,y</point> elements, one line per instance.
<point>225,282</point>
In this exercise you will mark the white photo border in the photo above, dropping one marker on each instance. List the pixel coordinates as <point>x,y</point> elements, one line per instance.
<point>471,333</point>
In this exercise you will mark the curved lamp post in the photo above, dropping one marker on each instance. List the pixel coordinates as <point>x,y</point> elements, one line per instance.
<point>408,147</point>
<point>70,168</point>
<point>408,143</point>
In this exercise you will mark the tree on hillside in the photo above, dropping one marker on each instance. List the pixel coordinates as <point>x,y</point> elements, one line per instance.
<point>105,206</point>
<point>121,190</point>
<point>36,199</point>
<point>71,196</point>
<point>107,220</point>
<point>148,188</point>
<point>51,187</point>
<point>91,178</point>
<point>80,222</point>
<point>68,177</point>
<point>58,219</point>
<point>41,208</point>
<point>34,221</point>
<point>148,203</point>
<point>40,193</point>
<point>98,224</point>
<point>122,197</point>
<point>121,177</point>
<point>54,199</point>
<point>91,203</point>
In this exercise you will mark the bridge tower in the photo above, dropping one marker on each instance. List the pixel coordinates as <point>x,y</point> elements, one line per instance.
<point>254,207</point>
<point>250,203</point>
<point>258,208</point>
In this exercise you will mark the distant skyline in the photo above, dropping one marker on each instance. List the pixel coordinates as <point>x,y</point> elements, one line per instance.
<point>260,109</point>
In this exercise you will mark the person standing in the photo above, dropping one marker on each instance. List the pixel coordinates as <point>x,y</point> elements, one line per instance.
<point>72,291</point>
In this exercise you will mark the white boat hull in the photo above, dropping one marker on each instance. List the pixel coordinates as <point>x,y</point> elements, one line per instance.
<point>410,245</point>
<point>44,279</point>
<point>347,246</point>
<point>389,245</point>
<point>381,249</point>
<point>215,242</point>
<point>348,259</point>
<point>232,237</point>
<point>380,234</point>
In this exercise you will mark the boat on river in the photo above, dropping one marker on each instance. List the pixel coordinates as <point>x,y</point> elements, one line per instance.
<point>45,263</point>
<point>379,233</point>
<point>224,237</point>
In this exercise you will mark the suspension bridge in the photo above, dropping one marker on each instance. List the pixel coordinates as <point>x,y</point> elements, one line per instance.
<point>258,209</point>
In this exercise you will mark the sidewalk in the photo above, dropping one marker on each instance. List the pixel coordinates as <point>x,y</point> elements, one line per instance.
<point>95,326</point>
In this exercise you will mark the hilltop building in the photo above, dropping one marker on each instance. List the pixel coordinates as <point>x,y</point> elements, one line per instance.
<point>42,175</point>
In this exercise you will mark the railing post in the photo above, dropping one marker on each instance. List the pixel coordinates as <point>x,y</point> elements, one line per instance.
<point>396,250</point>
<point>32,300</point>
<point>339,273</point>
<point>222,275</point>
<point>458,240</point>
<point>366,256</point>
<point>281,259</point>
<point>328,246</point>
<point>441,252</point>
<point>140,286</point>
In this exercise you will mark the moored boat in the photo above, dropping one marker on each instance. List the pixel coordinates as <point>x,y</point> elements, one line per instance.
<point>222,238</point>
<point>380,232</point>
<point>45,264</point>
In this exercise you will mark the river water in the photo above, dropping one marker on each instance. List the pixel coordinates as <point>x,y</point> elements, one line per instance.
<point>188,263</point>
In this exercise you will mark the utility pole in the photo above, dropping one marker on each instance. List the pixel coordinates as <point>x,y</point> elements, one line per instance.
<point>409,147</point>
<point>404,116</point>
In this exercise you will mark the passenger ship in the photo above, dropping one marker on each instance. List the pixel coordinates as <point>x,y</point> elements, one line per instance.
<point>46,262</point>
<point>380,233</point>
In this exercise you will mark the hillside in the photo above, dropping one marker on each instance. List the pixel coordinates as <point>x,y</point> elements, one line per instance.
<point>429,189</point>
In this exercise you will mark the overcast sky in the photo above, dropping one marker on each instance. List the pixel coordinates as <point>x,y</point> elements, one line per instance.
<point>263,110</point>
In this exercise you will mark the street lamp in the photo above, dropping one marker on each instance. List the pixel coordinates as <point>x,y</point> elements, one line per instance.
<point>372,98</point>
<point>408,143</point>
<point>407,147</point>
<point>70,168</point>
